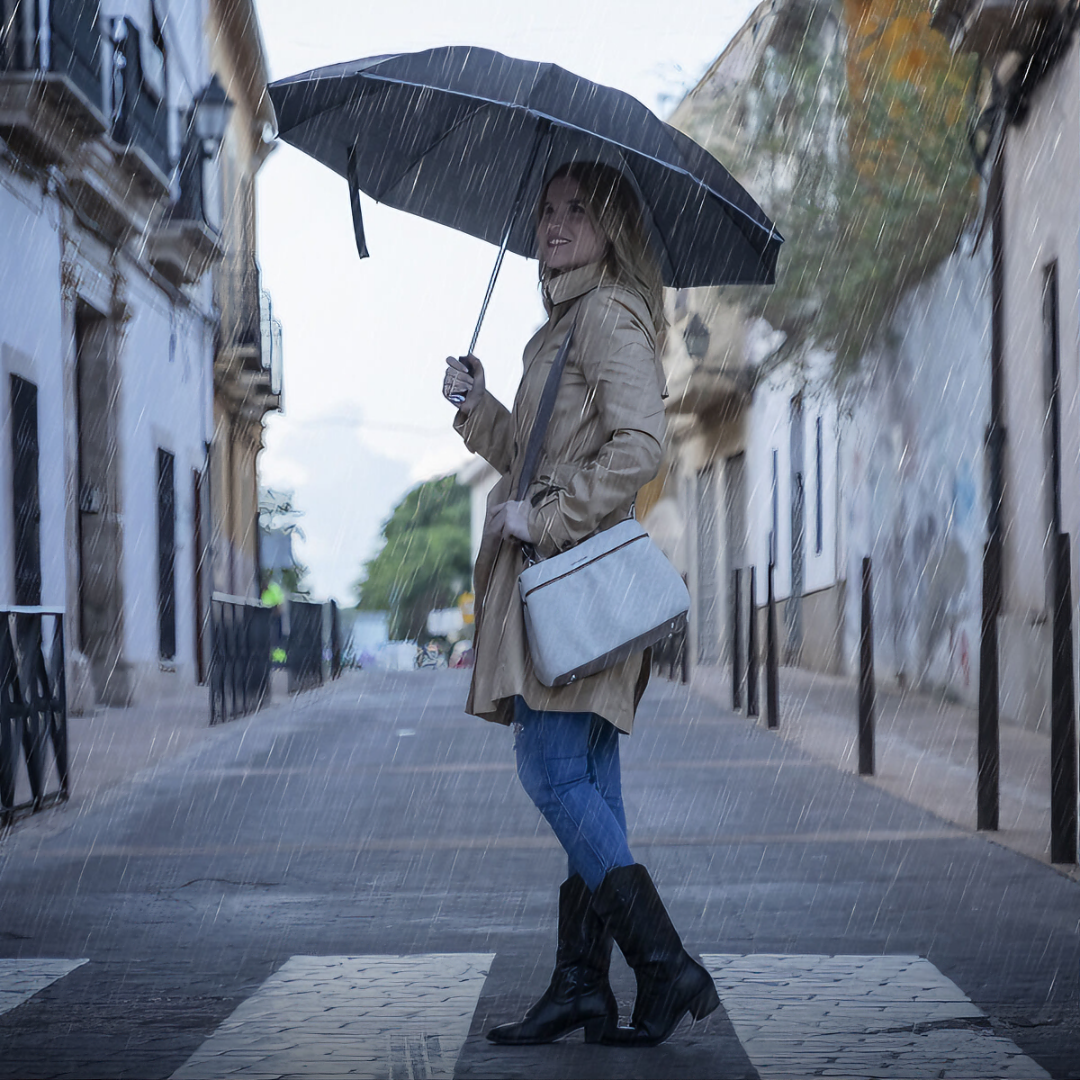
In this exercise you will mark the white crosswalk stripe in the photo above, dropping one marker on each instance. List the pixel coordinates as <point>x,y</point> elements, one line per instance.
<point>802,1016</point>
<point>20,980</point>
<point>391,1017</point>
<point>375,1017</point>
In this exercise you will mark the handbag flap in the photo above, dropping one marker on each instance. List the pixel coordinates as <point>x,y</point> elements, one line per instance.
<point>566,562</point>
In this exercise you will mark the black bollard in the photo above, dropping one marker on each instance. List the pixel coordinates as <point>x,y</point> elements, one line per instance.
<point>736,639</point>
<point>1062,714</point>
<point>772,658</point>
<point>989,756</point>
<point>335,641</point>
<point>866,674</point>
<point>752,705</point>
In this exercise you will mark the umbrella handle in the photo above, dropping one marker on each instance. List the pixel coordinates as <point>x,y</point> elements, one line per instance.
<point>541,130</point>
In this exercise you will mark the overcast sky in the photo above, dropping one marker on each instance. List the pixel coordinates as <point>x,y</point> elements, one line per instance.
<point>365,340</point>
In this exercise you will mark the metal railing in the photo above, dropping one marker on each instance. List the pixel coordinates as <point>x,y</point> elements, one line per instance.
<point>33,712</point>
<point>61,38</point>
<point>243,638</point>
<point>239,656</point>
<point>101,58</point>
<point>190,204</point>
<point>238,292</point>
<point>335,641</point>
<point>249,332</point>
<point>305,647</point>
<point>140,117</point>
<point>314,644</point>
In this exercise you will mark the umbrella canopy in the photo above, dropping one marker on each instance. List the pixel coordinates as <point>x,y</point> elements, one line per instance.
<point>467,137</point>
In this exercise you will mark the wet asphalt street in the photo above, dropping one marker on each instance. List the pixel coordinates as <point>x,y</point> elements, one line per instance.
<point>373,820</point>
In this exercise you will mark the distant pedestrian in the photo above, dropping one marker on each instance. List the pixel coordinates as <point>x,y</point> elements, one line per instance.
<point>603,443</point>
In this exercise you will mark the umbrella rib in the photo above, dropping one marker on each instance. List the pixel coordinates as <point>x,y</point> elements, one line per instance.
<point>585,131</point>
<point>427,150</point>
<point>659,161</point>
<point>442,90</point>
<point>668,132</point>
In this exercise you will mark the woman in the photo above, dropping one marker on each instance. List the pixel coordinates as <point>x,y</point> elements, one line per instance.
<point>604,441</point>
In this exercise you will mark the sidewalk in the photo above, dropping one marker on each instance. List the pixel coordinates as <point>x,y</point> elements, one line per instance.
<point>109,746</point>
<point>925,751</point>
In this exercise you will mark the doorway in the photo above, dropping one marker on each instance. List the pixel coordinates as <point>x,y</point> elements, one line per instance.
<point>100,541</point>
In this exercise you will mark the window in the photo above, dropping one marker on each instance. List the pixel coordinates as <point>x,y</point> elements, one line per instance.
<point>25,493</point>
<point>708,587</point>
<point>774,530</point>
<point>152,59</point>
<point>819,491</point>
<point>166,515</point>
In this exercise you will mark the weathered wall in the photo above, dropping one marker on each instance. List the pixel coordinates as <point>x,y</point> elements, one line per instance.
<point>165,364</point>
<point>913,483</point>
<point>31,347</point>
<point>1042,224</point>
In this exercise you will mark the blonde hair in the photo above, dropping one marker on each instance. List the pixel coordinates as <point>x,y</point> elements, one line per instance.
<point>613,206</point>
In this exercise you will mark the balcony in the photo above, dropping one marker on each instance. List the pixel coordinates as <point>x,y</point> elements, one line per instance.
<point>248,367</point>
<point>186,241</point>
<point>139,111</point>
<point>991,28</point>
<point>76,95</point>
<point>51,90</point>
<point>237,291</point>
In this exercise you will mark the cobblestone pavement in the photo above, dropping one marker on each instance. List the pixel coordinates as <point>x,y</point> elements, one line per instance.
<point>353,884</point>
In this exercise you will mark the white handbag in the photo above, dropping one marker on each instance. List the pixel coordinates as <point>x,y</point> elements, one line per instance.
<point>601,601</point>
<point>605,599</point>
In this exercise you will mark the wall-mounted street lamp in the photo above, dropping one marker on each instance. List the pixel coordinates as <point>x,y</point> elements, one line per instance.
<point>211,111</point>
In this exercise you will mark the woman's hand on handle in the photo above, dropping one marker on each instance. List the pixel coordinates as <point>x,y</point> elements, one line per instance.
<point>463,383</point>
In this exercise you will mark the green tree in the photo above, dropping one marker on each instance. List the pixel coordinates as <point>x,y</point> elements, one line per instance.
<point>425,562</point>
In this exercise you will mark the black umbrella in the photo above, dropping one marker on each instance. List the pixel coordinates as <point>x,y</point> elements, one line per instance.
<point>467,137</point>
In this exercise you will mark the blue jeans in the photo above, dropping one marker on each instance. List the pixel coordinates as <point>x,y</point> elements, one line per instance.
<point>568,763</point>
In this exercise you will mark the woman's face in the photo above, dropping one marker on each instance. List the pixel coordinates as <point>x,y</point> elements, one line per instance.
<point>565,234</point>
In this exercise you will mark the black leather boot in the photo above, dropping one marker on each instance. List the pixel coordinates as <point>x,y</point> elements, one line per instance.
<point>670,982</point>
<point>579,995</point>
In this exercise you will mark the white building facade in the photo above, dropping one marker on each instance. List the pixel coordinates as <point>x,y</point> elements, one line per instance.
<point>109,224</point>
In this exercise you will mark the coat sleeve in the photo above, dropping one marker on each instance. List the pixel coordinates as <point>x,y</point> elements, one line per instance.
<point>489,432</point>
<point>617,355</point>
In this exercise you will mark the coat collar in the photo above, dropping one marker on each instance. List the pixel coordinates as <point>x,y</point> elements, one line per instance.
<point>567,287</point>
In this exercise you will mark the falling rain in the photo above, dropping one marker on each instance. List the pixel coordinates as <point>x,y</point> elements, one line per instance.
<point>539,542</point>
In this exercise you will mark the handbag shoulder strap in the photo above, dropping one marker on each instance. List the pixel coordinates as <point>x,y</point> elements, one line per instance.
<point>543,415</point>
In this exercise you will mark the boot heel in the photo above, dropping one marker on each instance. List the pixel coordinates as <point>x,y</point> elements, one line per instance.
<point>706,1002</point>
<point>594,1029</point>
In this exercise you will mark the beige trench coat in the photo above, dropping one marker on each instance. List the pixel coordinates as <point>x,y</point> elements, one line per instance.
<point>604,442</point>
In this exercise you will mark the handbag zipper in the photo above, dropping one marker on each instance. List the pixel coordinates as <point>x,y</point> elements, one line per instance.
<point>587,562</point>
